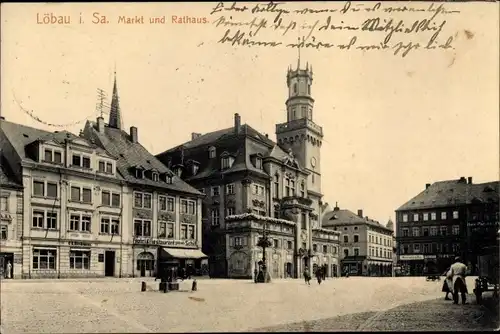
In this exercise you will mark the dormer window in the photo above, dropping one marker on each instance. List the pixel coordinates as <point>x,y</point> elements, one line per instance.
<point>53,156</point>
<point>168,179</point>
<point>80,160</point>
<point>105,167</point>
<point>155,176</point>
<point>227,162</point>
<point>178,170</point>
<point>258,162</point>
<point>211,152</point>
<point>139,173</point>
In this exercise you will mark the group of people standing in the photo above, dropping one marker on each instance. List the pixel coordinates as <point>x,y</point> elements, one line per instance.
<point>455,281</point>
<point>320,274</point>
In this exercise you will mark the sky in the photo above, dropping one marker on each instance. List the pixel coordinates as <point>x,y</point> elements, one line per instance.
<point>391,123</point>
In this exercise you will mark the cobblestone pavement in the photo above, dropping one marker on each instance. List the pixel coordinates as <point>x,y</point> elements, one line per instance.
<point>117,305</point>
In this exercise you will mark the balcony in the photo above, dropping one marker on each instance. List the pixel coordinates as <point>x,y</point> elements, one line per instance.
<point>298,124</point>
<point>295,201</point>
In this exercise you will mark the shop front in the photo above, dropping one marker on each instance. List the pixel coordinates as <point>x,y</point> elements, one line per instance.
<point>352,265</point>
<point>412,264</point>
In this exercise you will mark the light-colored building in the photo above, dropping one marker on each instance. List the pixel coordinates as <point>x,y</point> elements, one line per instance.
<point>72,204</point>
<point>254,183</point>
<point>366,245</point>
<point>11,222</point>
<point>163,212</point>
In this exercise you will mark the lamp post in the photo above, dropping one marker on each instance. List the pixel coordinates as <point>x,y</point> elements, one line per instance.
<point>263,276</point>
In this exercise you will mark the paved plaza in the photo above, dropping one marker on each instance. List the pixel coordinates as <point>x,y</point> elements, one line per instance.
<point>118,305</point>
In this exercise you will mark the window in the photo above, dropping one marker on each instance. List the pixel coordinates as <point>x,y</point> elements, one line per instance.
<point>51,220</point>
<point>80,160</point>
<point>434,231</point>
<point>289,244</point>
<point>276,186</point>
<point>325,249</point>
<point>415,217</point>
<point>443,231</point>
<point>191,232</point>
<point>258,163</point>
<point>165,230</point>
<point>115,226</point>
<point>154,177</point>
<point>38,218</point>
<point>215,217</point>
<point>276,243</point>
<point>81,194</point>
<point>346,238</point>
<point>105,225</point>
<point>3,232</point>
<point>334,250</point>
<point>425,231</point>
<point>295,88</point>
<point>142,228</point>
<point>79,259</point>
<point>455,214</point>
<point>211,152</point>
<point>105,167</point>
<point>346,252</point>
<point>287,187</point>
<point>309,89</point>
<point>230,212</point>
<point>455,229</point>
<point>45,189</point>
<point>356,238</point>
<point>227,162</point>
<point>110,199</point>
<point>4,204</point>
<point>302,189</point>
<point>356,251</point>
<point>303,221</point>
<point>416,248</point>
<point>426,249</point>
<point>443,215</point>
<point>258,190</point>
<point>139,173</point>
<point>183,231</point>
<point>53,156</point>
<point>142,200</point>
<point>188,207</point>
<point>166,203</point>
<point>215,191</point>
<point>44,259</point>
<point>405,218</point>
<point>292,187</point>
<point>80,222</point>
<point>426,216</point>
<point>416,232</point>
<point>433,216</point>
<point>230,189</point>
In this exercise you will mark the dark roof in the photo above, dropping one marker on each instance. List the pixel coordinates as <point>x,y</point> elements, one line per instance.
<point>226,141</point>
<point>7,178</point>
<point>452,193</point>
<point>341,217</point>
<point>130,155</point>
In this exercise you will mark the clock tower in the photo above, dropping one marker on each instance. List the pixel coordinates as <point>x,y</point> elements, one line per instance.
<point>300,134</point>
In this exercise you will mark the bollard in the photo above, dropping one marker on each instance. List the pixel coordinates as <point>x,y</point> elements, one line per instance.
<point>194,286</point>
<point>143,286</point>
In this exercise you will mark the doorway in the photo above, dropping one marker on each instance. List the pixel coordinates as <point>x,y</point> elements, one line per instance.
<point>288,269</point>
<point>6,270</point>
<point>109,263</point>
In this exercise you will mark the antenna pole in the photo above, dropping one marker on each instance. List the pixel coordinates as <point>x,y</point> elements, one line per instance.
<point>101,96</point>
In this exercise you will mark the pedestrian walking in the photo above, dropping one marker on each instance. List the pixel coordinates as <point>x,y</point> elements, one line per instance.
<point>447,284</point>
<point>319,275</point>
<point>458,273</point>
<point>307,276</point>
<point>9,269</point>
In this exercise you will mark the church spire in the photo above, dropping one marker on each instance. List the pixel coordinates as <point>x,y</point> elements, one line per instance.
<point>115,117</point>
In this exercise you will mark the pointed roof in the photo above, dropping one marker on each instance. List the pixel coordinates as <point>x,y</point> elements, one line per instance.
<point>115,117</point>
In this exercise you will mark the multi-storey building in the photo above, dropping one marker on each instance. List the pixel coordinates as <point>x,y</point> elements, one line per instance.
<point>163,212</point>
<point>253,183</point>
<point>11,222</point>
<point>72,204</point>
<point>366,245</point>
<point>447,219</point>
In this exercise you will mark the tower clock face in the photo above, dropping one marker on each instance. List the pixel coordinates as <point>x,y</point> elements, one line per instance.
<point>313,162</point>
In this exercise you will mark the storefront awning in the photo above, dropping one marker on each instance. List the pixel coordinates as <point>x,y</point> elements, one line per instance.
<point>181,253</point>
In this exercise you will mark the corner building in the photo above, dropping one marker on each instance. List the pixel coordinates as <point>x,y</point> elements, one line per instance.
<point>254,184</point>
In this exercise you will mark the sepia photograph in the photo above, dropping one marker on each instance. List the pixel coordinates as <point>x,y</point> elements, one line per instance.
<point>249,166</point>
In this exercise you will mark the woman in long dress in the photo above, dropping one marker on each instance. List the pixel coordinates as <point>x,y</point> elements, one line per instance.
<point>447,284</point>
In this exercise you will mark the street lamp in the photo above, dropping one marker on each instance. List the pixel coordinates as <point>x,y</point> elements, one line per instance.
<point>264,242</point>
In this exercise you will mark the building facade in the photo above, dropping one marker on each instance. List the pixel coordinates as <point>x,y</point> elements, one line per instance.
<point>163,212</point>
<point>72,204</point>
<point>366,245</point>
<point>253,183</point>
<point>11,222</point>
<point>447,219</point>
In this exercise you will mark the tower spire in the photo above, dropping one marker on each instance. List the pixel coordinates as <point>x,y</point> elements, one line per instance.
<point>115,118</point>
<point>298,60</point>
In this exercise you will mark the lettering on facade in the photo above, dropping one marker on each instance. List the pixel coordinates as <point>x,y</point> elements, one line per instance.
<point>163,242</point>
<point>411,257</point>
<point>79,243</point>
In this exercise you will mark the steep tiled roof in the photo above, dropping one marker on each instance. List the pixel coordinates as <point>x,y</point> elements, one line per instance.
<point>452,192</point>
<point>7,178</point>
<point>341,217</point>
<point>130,155</point>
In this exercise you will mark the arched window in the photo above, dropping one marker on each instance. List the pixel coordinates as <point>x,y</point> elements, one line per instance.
<point>295,88</point>
<point>276,186</point>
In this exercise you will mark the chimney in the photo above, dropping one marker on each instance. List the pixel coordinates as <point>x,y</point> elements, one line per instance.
<point>2,118</point>
<point>267,136</point>
<point>462,180</point>
<point>360,213</point>
<point>195,135</point>
<point>237,123</point>
<point>133,134</point>
<point>100,124</point>
<point>469,180</point>
<point>427,185</point>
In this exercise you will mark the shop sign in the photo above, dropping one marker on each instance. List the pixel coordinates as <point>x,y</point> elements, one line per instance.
<point>80,243</point>
<point>430,257</point>
<point>411,257</point>
<point>164,242</point>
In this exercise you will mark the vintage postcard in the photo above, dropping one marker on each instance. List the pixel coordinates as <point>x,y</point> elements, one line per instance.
<point>249,166</point>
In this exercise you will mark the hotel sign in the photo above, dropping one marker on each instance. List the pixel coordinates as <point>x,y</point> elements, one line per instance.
<point>411,257</point>
<point>165,242</point>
